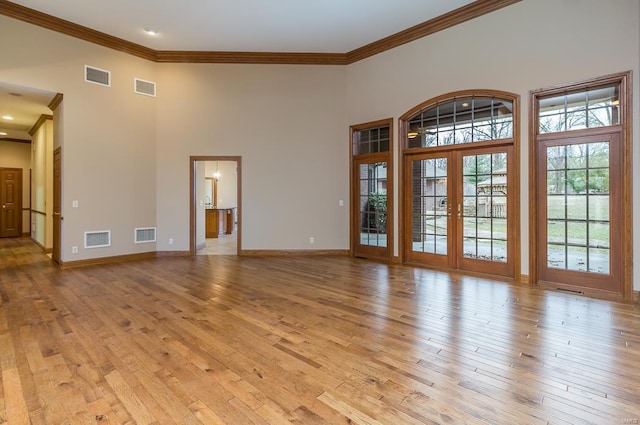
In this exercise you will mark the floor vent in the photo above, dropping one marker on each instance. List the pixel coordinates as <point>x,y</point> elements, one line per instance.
<point>97,76</point>
<point>147,88</point>
<point>570,291</point>
<point>97,239</point>
<point>145,234</point>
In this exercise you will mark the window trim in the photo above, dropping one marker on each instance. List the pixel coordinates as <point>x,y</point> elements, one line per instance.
<point>389,157</point>
<point>622,79</point>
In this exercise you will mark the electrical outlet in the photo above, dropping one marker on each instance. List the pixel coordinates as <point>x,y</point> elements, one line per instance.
<point>74,249</point>
<point>74,204</point>
<point>170,241</point>
<point>312,240</point>
<point>341,203</point>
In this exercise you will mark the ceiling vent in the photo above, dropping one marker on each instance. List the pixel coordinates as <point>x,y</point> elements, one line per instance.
<point>147,88</point>
<point>97,239</point>
<point>145,234</point>
<point>97,76</point>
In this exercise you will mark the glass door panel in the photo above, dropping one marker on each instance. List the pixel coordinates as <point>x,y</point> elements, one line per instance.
<point>483,211</point>
<point>371,222</point>
<point>429,236</point>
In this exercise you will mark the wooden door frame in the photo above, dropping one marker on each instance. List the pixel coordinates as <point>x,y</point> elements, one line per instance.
<point>623,79</point>
<point>56,256</point>
<point>193,201</point>
<point>18,208</point>
<point>387,157</point>
<point>370,252</point>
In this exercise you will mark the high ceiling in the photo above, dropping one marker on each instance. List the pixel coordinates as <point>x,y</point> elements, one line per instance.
<point>320,26</point>
<point>288,26</point>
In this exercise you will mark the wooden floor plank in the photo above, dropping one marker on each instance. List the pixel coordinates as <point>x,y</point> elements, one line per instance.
<point>303,340</point>
<point>128,397</point>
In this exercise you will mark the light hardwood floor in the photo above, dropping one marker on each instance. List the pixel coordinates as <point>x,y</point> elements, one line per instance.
<point>222,245</point>
<point>304,340</point>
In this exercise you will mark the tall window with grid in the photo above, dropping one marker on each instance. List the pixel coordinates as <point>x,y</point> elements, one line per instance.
<point>371,187</point>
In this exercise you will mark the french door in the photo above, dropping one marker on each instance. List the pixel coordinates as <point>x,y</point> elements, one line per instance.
<point>459,210</point>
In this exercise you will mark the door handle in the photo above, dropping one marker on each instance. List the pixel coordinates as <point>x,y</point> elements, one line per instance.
<point>459,211</point>
<point>449,210</point>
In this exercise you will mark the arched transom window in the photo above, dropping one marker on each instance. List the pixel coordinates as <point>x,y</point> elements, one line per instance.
<point>463,120</point>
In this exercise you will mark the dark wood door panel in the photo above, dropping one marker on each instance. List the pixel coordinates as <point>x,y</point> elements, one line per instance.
<point>10,202</point>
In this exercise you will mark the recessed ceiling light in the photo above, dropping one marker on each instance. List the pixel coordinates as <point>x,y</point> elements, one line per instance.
<point>2,133</point>
<point>465,105</point>
<point>150,32</point>
<point>7,117</point>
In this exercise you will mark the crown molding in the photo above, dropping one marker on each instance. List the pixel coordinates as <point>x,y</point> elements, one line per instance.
<point>43,118</point>
<point>12,139</point>
<point>178,56</point>
<point>62,26</point>
<point>448,20</point>
<point>55,102</point>
<point>440,23</point>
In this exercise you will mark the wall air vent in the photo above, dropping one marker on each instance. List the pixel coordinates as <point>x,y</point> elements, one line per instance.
<point>97,76</point>
<point>145,234</point>
<point>147,88</point>
<point>97,239</point>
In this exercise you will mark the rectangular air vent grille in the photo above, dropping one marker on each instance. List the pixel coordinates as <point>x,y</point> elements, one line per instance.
<point>147,88</point>
<point>97,239</point>
<point>97,76</point>
<point>145,234</point>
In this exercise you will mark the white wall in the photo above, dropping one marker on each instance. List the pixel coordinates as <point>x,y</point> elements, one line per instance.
<point>108,134</point>
<point>18,155</point>
<point>42,185</point>
<point>526,46</point>
<point>288,123</point>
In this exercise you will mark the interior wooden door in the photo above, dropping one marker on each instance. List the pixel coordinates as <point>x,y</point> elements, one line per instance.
<point>10,202</point>
<point>57,202</point>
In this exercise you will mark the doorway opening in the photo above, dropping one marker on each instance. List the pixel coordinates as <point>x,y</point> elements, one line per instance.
<point>215,226</point>
<point>27,142</point>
